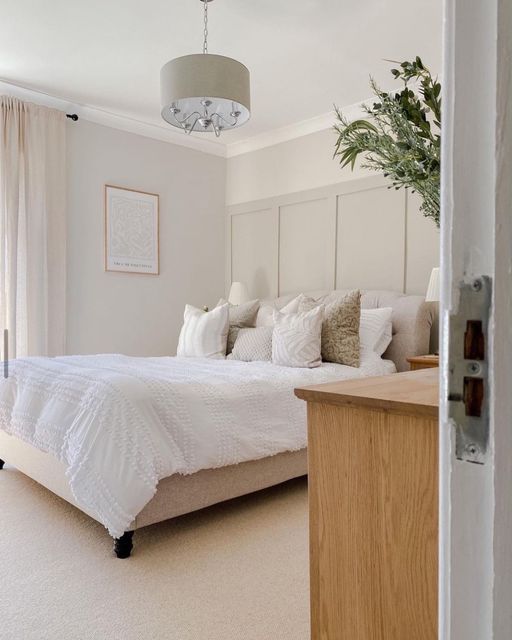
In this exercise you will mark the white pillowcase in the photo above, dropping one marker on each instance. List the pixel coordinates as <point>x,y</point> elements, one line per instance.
<point>375,330</point>
<point>297,338</point>
<point>265,317</point>
<point>204,334</point>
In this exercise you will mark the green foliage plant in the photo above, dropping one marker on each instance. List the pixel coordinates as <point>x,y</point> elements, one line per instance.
<point>402,136</point>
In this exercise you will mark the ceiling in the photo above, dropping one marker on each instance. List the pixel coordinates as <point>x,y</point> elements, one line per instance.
<point>303,55</point>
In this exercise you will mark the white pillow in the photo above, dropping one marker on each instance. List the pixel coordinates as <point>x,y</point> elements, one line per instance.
<point>297,338</point>
<point>375,329</point>
<point>204,334</point>
<point>265,317</point>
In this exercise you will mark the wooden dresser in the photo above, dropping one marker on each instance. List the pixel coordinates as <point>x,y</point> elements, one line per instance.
<point>373,496</point>
<point>423,362</point>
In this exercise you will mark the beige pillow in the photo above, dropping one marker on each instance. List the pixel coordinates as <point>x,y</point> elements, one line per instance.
<point>306,303</point>
<point>265,317</point>
<point>240,316</point>
<point>340,329</point>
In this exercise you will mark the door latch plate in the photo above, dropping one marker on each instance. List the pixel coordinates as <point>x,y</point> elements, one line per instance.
<point>468,382</point>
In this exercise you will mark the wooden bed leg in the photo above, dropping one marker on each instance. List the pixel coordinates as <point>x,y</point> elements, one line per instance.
<point>123,546</point>
<point>1,464</point>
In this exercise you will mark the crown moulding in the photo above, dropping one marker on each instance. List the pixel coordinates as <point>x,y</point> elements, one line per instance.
<point>199,142</point>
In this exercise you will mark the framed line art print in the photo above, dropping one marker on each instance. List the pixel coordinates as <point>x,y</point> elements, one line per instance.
<point>131,231</point>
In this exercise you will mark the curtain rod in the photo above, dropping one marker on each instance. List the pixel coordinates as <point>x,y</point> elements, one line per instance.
<point>72,116</point>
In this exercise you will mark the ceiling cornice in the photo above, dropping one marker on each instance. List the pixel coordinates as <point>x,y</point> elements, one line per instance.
<point>292,131</point>
<point>165,134</point>
<point>115,120</point>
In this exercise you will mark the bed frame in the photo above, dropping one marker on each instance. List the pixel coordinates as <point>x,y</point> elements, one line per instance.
<point>176,495</point>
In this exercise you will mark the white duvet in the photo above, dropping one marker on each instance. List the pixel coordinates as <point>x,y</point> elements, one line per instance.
<point>120,424</point>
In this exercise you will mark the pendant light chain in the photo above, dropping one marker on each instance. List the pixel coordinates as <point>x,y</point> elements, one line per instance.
<point>205,41</point>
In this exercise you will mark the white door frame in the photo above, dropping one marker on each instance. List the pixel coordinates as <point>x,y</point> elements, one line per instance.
<point>476,239</point>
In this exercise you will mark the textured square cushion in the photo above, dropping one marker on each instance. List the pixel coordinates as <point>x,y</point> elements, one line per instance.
<point>240,316</point>
<point>253,345</point>
<point>296,339</point>
<point>375,330</point>
<point>204,333</point>
<point>340,329</point>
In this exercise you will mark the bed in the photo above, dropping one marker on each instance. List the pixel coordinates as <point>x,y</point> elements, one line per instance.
<point>134,441</point>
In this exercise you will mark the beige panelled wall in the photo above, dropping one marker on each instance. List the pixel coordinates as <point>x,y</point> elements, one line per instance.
<point>371,239</point>
<point>307,233</point>
<point>357,233</point>
<point>255,251</point>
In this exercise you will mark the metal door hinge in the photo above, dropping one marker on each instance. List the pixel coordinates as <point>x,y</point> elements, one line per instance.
<point>468,383</point>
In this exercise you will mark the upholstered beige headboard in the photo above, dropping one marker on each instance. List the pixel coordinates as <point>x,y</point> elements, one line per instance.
<point>412,320</point>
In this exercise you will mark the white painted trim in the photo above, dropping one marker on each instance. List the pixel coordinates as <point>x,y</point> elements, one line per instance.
<point>292,131</point>
<point>474,536</point>
<point>115,120</point>
<point>166,134</point>
<point>193,141</point>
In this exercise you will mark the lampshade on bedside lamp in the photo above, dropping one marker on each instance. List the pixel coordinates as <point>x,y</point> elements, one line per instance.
<point>238,293</point>
<point>434,284</point>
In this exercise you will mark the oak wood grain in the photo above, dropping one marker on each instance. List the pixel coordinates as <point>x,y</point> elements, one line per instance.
<point>410,393</point>
<point>373,524</point>
<point>423,362</point>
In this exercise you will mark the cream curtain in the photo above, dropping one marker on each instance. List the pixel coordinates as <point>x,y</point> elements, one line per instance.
<point>32,228</point>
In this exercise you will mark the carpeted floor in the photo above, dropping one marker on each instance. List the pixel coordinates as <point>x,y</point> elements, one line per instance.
<point>238,570</point>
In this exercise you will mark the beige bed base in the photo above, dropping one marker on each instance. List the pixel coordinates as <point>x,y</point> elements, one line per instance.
<point>176,495</point>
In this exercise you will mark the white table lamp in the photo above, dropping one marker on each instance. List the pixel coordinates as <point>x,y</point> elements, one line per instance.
<point>238,293</point>
<point>433,290</point>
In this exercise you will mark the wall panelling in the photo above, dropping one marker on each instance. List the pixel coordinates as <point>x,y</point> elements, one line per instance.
<point>357,233</point>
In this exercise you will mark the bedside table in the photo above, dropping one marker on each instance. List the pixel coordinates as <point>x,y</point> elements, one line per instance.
<point>423,362</point>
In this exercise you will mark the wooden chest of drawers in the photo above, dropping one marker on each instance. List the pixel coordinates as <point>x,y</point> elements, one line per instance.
<point>373,491</point>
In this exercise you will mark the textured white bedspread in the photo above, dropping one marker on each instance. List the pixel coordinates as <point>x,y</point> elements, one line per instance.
<point>120,424</point>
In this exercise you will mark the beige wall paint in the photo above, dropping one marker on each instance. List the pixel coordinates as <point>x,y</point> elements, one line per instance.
<point>382,237</point>
<point>356,233</point>
<point>131,313</point>
<point>296,165</point>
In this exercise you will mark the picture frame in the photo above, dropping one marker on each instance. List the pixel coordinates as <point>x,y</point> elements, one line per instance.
<point>132,242</point>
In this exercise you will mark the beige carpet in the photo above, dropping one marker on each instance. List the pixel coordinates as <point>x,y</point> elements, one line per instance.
<point>235,571</point>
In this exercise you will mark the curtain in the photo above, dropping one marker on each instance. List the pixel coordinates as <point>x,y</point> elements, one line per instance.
<point>32,228</point>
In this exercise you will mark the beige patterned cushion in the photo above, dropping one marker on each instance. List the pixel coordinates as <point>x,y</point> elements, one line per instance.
<point>253,345</point>
<point>240,316</point>
<point>340,329</point>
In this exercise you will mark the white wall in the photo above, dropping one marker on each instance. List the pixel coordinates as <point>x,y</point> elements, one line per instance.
<point>132,313</point>
<point>296,165</point>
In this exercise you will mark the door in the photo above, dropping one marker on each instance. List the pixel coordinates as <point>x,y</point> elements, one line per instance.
<point>476,238</point>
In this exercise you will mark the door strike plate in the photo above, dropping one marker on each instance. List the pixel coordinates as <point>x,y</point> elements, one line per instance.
<point>468,382</point>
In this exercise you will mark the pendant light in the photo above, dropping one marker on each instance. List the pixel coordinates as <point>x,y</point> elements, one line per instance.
<point>205,92</point>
